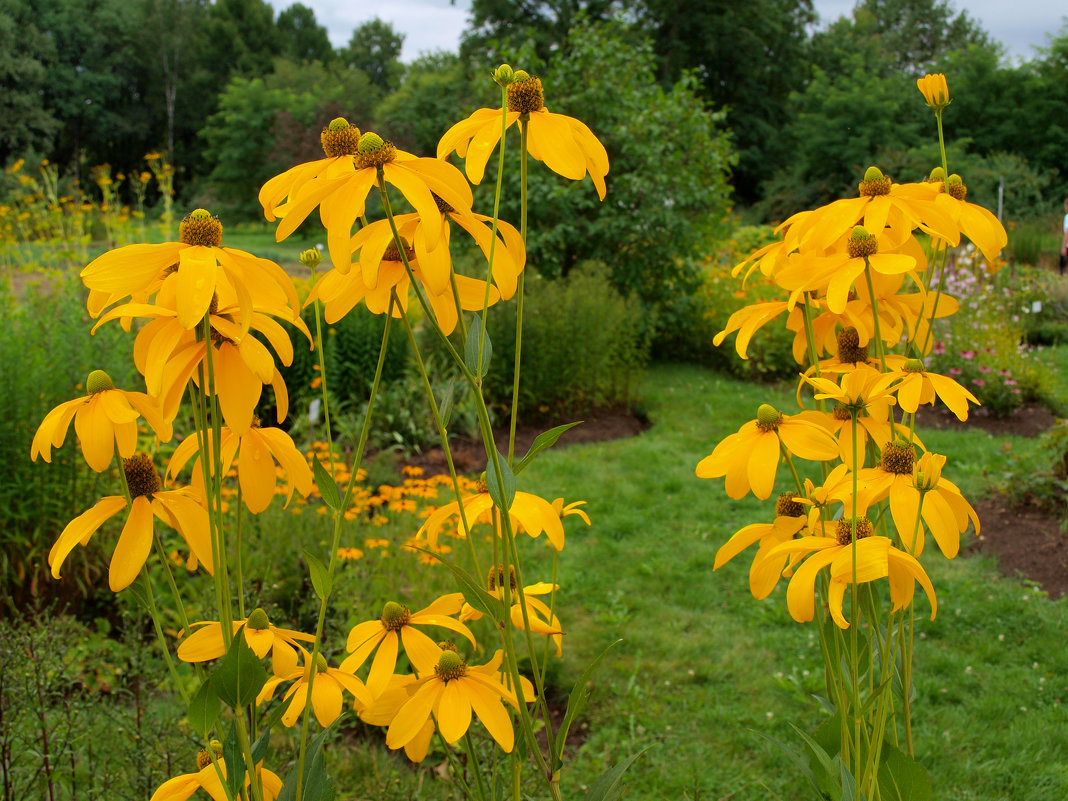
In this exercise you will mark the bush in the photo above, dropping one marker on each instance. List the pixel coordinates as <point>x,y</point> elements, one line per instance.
<point>584,346</point>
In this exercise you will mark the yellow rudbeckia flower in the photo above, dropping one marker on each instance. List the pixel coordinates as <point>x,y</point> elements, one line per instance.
<point>327,696</point>
<point>177,508</point>
<point>930,501</point>
<point>208,779</point>
<point>565,145</point>
<point>790,519</point>
<point>396,626</point>
<point>204,641</point>
<point>529,513</point>
<point>449,695</point>
<point>876,558</point>
<point>541,617</point>
<point>750,458</point>
<point>935,90</point>
<point>105,421</point>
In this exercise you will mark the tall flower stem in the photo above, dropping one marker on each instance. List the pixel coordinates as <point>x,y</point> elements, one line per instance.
<point>523,123</point>
<point>854,613</point>
<point>329,432</point>
<point>339,516</point>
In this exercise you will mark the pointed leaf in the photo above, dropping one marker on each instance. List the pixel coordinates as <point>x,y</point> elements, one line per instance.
<point>235,762</point>
<point>474,593</point>
<point>607,786</point>
<point>474,337</point>
<point>902,778</point>
<point>502,493</point>
<point>448,400</point>
<point>259,748</point>
<point>327,487</point>
<point>204,709</point>
<point>545,439</point>
<point>316,785</point>
<point>320,576</point>
<point>240,676</point>
<point>580,694</point>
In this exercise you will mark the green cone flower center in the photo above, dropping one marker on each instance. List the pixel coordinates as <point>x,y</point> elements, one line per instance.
<point>845,529</point>
<point>957,189</point>
<point>339,138</point>
<point>768,417</point>
<point>321,665</point>
<point>898,459</point>
<point>503,75</point>
<point>98,381</point>
<point>788,506</point>
<point>495,578</point>
<point>861,243</point>
<point>374,151</point>
<point>310,258</point>
<point>394,616</point>
<point>874,183</point>
<point>937,175</point>
<point>913,366</point>
<point>850,351</point>
<point>258,621</point>
<point>141,476</point>
<point>525,95</point>
<point>450,666</point>
<point>200,227</point>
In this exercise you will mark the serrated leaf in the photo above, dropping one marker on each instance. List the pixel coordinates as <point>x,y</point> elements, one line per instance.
<point>320,576</point>
<point>474,336</point>
<point>240,676</point>
<point>316,785</point>
<point>473,592</point>
<point>502,493</point>
<point>608,787</point>
<point>902,778</point>
<point>545,439</point>
<point>328,490</point>
<point>204,708</point>
<point>580,694</point>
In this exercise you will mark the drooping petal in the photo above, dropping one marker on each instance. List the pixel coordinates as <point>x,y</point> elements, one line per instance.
<point>81,528</point>
<point>133,546</point>
<point>453,712</point>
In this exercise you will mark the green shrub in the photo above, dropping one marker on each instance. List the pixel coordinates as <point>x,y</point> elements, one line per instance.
<point>584,345</point>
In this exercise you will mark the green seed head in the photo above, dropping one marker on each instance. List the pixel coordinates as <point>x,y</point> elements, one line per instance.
<point>861,243</point>
<point>310,258</point>
<point>98,381</point>
<point>374,151</point>
<point>520,76</point>
<point>450,666</point>
<point>369,143</point>
<point>503,75</point>
<point>321,665</point>
<point>338,124</point>
<point>339,138</point>
<point>257,621</point>
<point>768,417</point>
<point>395,616</point>
<point>873,174</point>
<point>913,366</point>
<point>937,174</point>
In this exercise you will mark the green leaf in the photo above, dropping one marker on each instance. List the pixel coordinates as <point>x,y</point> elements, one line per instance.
<point>580,694</point>
<point>320,576</point>
<point>240,676</point>
<point>474,593</point>
<point>902,778</point>
<point>448,400</point>
<point>327,487</point>
<point>204,709</point>
<point>317,786</point>
<point>474,335</point>
<point>607,787</point>
<point>235,762</point>
<point>544,440</point>
<point>502,493</point>
<point>825,775</point>
<point>259,748</point>
<point>139,592</point>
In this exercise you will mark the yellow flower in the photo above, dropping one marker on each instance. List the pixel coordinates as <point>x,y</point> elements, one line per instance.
<point>326,696</point>
<point>105,420</point>
<point>385,708</point>
<point>450,694</point>
<point>204,641</point>
<point>541,617</point>
<point>530,513</point>
<point>565,145</point>
<point>935,90</point>
<point>341,291</point>
<point>341,193</point>
<point>918,386</point>
<point>934,500</point>
<point>790,518</point>
<point>875,558</point>
<point>256,451</point>
<point>863,389</point>
<point>176,508</point>
<point>207,779</point>
<point>750,458</point>
<point>141,270</point>
<point>395,626</point>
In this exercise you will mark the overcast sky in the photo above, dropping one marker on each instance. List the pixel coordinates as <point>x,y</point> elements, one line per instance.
<point>431,25</point>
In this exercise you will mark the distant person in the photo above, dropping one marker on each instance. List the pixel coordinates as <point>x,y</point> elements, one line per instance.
<point>1064,240</point>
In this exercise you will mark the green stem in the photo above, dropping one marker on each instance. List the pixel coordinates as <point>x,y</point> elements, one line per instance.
<point>519,290</point>
<point>329,432</point>
<point>472,761</point>
<point>157,624</point>
<point>854,613</point>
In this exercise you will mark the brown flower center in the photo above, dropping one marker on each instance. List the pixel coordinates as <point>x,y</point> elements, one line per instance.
<point>526,96</point>
<point>141,476</point>
<point>845,529</point>
<point>200,227</point>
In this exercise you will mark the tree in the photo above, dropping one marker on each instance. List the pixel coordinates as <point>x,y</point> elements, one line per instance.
<point>748,58</point>
<point>497,29</point>
<point>25,122</point>
<point>375,49</point>
<point>303,39</point>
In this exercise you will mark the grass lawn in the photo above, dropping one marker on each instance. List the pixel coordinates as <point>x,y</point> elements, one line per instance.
<point>705,672</point>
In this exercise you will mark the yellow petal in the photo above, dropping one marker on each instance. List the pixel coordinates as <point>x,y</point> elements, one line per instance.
<point>133,547</point>
<point>81,528</point>
<point>413,715</point>
<point>196,284</point>
<point>454,712</point>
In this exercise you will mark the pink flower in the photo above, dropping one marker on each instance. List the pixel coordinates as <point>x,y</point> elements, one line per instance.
<point>968,354</point>
<point>939,348</point>
<point>979,382</point>
<point>1010,382</point>
<point>983,368</point>
<point>1015,391</point>
<point>955,371</point>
